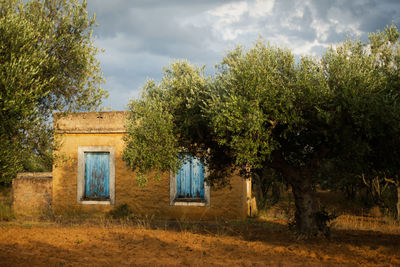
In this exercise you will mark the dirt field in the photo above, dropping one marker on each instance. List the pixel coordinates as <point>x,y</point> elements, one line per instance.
<point>251,243</point>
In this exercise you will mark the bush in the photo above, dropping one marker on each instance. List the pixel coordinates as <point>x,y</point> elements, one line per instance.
<point>119,212</point>
<point>6,212</point>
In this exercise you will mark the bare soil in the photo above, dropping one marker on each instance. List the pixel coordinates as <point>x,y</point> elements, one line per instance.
<point>249,243</point>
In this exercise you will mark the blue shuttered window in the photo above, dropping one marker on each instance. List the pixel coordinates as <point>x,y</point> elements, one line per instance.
<point>97,175</point>
<point>190,178</point>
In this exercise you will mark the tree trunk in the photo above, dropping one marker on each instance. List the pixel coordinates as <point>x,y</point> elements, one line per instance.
<point>308,220</point>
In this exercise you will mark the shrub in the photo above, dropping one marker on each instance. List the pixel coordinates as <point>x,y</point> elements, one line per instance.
<point>119,212</point>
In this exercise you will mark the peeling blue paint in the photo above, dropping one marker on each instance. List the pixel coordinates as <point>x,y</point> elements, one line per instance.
<point>190,178</point>
<point>97,175</point>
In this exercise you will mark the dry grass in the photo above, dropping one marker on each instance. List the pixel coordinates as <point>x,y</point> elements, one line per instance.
<point>351,216</point>
<point>131,240</point>
<point>247,243</point>
<point>343,222</point>
<point>366,223</point>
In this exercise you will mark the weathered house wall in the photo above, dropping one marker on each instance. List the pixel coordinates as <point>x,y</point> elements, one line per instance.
<point>32,194</point>
<point>106,129</point>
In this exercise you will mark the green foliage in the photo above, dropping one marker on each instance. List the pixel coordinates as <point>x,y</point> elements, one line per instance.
<point>262,110</point>
<point>6,212</point>
<point>264,181</point>
<point>342,109</point>
<point>365,80</point>
<point>47,64</point>
<point>166,120</point>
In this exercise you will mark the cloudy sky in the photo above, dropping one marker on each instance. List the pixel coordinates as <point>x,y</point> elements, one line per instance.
<point>141,37</point>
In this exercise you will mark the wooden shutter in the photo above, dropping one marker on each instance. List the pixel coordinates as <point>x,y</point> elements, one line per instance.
<point>197,178</point>
<point>190,178</point>
<point>97,175</point>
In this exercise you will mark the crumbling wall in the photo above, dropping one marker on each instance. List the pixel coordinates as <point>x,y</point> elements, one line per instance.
<point>32,194</point>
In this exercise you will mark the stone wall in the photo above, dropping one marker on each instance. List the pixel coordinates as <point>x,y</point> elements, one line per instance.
<point>100,129</point>
<point>32,194</point>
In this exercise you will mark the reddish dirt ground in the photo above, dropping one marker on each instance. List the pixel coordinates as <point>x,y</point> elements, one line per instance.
<point>251,243</point>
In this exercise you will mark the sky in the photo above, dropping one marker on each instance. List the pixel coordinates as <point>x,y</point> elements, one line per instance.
<point>141,37</point>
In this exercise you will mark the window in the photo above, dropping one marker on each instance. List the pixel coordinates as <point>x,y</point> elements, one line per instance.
<point>188,186</point>
<point>96,175</point>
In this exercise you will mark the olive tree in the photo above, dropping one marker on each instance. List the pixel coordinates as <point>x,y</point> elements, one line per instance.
<point>47,63</point>
<point>274,113</point>
<point>383,159</point>
<point>262,110</point>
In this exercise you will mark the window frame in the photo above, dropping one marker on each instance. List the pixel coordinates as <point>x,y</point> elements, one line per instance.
<point>81,174</point>
<point>174,201</point>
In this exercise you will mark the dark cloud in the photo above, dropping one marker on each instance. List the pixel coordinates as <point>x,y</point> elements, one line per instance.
<point>156,27</point>
<point>142,36</point>
<point>366,15</point>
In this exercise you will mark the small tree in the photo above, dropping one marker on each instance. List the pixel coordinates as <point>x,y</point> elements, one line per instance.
<point>47,63</point>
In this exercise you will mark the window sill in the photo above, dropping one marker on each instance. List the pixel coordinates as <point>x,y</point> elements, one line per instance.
<point>95,202</point>
<point>190,202</point>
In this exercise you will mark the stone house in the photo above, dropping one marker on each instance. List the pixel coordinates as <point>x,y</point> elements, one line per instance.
<point>93,179</point>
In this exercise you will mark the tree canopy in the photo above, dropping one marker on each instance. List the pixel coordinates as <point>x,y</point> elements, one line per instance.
<point>47,63</point>
<point>264,110</point>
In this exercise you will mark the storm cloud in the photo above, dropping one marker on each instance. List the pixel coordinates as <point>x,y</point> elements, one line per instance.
<point>143,36</point>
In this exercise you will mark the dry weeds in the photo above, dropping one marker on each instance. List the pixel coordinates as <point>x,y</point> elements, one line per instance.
<point>366,223</point>
<point>176,243</point>
<point>80,240</point>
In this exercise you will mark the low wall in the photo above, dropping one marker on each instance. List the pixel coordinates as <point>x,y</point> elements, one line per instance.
<point>32,194</point>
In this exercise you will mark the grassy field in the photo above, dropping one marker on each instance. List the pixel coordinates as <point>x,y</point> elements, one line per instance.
<point>139,241</point>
